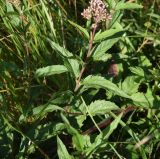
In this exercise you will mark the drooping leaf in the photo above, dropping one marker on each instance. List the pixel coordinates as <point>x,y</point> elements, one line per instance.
<point>50,70</point>
<point>62,51</point>
<point>101,82</point>
<point>101,107</point>
<point>128,5</point>
<point>70,60</point>
<point>80,29</point>
<point>62,150</point>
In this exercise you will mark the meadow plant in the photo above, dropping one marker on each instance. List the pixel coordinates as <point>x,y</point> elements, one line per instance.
<point>78,85</point>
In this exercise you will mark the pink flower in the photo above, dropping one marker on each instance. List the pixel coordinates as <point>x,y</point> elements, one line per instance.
<point>97,11</point>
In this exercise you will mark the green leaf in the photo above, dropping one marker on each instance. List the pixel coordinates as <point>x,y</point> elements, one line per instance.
<point>70,61</point>
<point>103,136</point>
<point>107,33</point>
<point>14,16</point>
<point>128,5</point>
<point>62,51</point>
<point>61,97</point>
<point>147,100</point>
<point>109,130</point>
<point>50,70</point>
<point>80,29</point>
<point>45,131</point>
<point>93,147</point>
<point>73,67</point>
<point>103,57</point>
<point>100,82</point>
<point>41,111</point>
<point>100,52</point>
<point>101,107</point>
<point>76,137</point>
<point>78,141</point>
<point>62,150</point>
<point>80,120</point>
<point>144,61</point>
<point>112,3</point>
<point>129,85</point>
<point>138,71</point>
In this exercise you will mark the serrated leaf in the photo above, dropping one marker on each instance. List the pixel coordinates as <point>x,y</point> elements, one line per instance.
<point>101,107</point>
<point>50,70</point>
<point>128,5</point>
<point>101,82</point>
<point>106,34</point>
<point>138,71</point>
<point>80,29</point>
<point>62,150</point>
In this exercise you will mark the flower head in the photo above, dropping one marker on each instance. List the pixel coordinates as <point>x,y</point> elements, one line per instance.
<point>97,11</point>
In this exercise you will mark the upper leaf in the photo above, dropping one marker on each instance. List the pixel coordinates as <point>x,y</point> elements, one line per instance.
<point>80,29</point>
<point>100,51</point>
<point>106,34</point>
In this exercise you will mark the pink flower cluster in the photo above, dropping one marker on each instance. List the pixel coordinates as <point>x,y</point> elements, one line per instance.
<point>97,11</point>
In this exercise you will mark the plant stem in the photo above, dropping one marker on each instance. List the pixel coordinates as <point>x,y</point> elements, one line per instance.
<point>92,34</point>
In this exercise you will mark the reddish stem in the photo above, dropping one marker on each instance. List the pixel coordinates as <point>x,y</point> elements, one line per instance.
<point>92,34</point>
<point>108,121</point>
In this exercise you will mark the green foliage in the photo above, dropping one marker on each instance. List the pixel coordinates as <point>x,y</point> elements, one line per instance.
<point>73,88</point>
